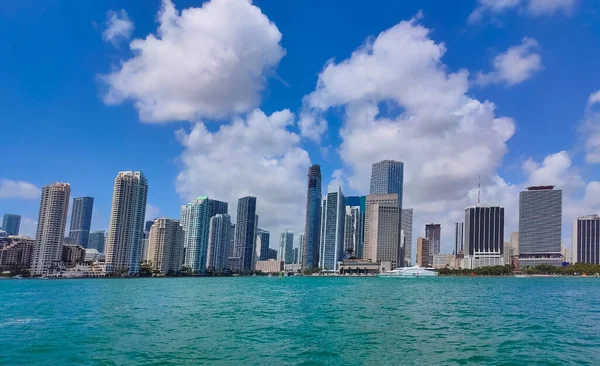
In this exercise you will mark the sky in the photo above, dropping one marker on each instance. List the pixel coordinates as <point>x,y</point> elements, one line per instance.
<point>229,98</point>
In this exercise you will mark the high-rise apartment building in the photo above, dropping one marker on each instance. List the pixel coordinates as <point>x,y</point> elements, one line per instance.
<point>312,228</point>
<point>126,228</point>
<point>50,233</point>
<point>484,236</point>
<point>424,258</point>
<point>382,234</point>
<point>356,208</point>
<point>96,240</point>
<point>245,233</point>
<point>387,177</point>
<point>459,238</point>
<point>434,233</point>
<point>263,238</point>
<point>286,247</point>
<point>165,245</point>
<point>406,227</point>
<point>195,220</point>
<point>11,224</point>
<point>585,247</point>
<point>218,242</point>
<point>332,230</point>
<point>81,220</point>
<point>540,220</point>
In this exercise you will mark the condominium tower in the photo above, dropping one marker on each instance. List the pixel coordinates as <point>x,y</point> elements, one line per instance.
<point>434,233</point>
<point>332,230</point>
<point>484,236</point>
<point>406,227</point>
<point>286,247</point>
<point>165,245</point>
<point>382,234</point>
<point>81,220</point>
<point>50,233</point>
<point>11,224</point>
<point>459,238</point>
<point>218,242</point>
<point>262,244</point>
<point>586,240</point>
<point>126,228</point>
<point>423,257</point>
<point>245,233</point>
<point>96,240</point>
<point>310,250</point>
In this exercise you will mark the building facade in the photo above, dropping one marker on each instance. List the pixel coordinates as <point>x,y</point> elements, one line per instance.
<point>245,233</point>
<point>11,224</point>
<point>312,227</point>
<point>270,266</point>
<point>443,260</point>
<point>484,236</point>
<point>263,238</point>
<point>81,220</point>
<point>218,242</point>
<point>16,251</point>
<point>195,220</point>
<point>406,225</point>
<point>434,233</point>
<point>459,238</point>
<point>356,206</point>
<point>540,220</point>
<point>286,247</point>
<point>126,228</point>
<point>332,230</point>
<point>50,233</point>
<point>73,254</point>
<point>96,240</point>
<point>586,240</point>
<point>165,245</point>
<point>387,177</point>
<point>423,256</point>
<point>382,234</point>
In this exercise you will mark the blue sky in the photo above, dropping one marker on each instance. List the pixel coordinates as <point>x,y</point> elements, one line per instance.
<point>535,60</point>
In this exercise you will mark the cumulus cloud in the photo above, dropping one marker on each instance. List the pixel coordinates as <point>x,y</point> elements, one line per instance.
<point>513,66</point>
<point>493,8</point>
<point>118,27</point>
<point>13,189</point>
<point>28,227</point>
<point>337,181</point>
<point>257,156</point>
<point>207,62</point>
<point>152,212</point>
<point>590,129</point>
<point>312,126</point>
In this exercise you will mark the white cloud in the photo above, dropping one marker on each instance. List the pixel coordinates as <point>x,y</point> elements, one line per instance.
<point>13,189</point>
<point>28,227</point>
<point>257,156</point>
<point>152,212</point>
<point>594,98</point>
<point>514,66</point>
<point>208,62</point>
<point>533,8</point>
<point>337,181</point>
<point>118,27</point>
<point>312,126</point>
<point>590,129</point>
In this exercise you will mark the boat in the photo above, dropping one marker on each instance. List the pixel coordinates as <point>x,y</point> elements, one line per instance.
<point>270,275</point>
<point>410,272</point>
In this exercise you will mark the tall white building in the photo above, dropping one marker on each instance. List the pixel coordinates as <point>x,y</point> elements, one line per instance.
<point>459,238</point>
<point>353,231</point>
<point>332,230</point>
<point>286,247</point>
<point>407,229</point>
<point>126,228</point>
<point>165,245</point>
<point>50,233</point>
<point>382,241</point>
<point>218,242</point>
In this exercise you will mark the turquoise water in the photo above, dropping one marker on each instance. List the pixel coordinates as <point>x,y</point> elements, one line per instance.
<point>304,320</point>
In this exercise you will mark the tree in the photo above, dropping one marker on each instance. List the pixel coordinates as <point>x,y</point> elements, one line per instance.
<point>145,269</point>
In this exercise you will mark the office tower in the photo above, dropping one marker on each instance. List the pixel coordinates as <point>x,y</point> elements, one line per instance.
<point>585,247</point>
<point>195,220</point>
<point>484,236</point>
<point>286,247</point>
<point>434,233</point>
<point>514,242</point>
<point>11,224</point>
<point>272,254</point>
<point>262,244</point>
<point>165,245</point>
<point>296,257</point>
<point>387,177</point>
<point>332,230</point>
<point>96,240</point>
<point>406,226</point>
<point>231,246</point>
<point>357,224</point>
<point>245,234</point>
<point>218,242</point>
<point>540,219</point>
<point>81,220</point>
<point>300,247</point>
<point>381,229</point>
<point>423,256</point>
<point>148,226</point>
<point>353,225</point>
<point>50,233</point>
<point>126,228</point>
<point>459,238</point>
<point>312,227</point>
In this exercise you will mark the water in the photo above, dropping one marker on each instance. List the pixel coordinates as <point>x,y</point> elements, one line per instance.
<point>307,320</point>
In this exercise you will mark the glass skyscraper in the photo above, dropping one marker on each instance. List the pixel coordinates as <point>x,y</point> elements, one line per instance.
<point>310,251</point>
<point>586,240</point>
<point>355,224</point>
<point>387,177</point>
<point>406,224</point>
<point>332,230</point>
<point>245,233</point>
<point>434,233</point>
<point>81,220</point>
<point>11,224</point>
<point>97,240</point>
<point>286,247</point>
<point>483,236</point>
<point>262,245</point>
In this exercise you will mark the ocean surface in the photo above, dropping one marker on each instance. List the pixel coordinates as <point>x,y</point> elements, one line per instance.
<point>301,321</point>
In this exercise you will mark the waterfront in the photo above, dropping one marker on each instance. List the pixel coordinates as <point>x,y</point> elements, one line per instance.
<point>301,320</point>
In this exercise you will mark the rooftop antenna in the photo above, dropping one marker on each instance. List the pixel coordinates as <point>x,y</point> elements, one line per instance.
<point>479,191</point>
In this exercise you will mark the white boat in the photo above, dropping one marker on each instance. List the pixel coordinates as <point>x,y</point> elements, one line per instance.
<point>410,272</point>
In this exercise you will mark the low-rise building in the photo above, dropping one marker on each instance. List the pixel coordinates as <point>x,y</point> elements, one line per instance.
<point>16,251</point>
<point>363,267</point>
<point>293,268</point>
<point>270,266</point>
<point>443,260</point>
<point>73,254</point>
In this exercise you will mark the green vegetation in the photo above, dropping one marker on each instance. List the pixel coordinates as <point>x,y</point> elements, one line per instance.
<point>481,271</point>
<point>309,271</point>
<point>543,269</point>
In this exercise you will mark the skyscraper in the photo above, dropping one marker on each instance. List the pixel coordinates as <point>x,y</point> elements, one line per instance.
<point>11,224</point>
<point>423,256</point>
<point>387,177</point>
<point>434,233</point>
<point>165,245</point>
<point>96,241</point>
<point>218,242</point>
<point>300,247</point>
<point>245,234</point>
<point>81,220</point>
<point>195,220</point>
<point>586,240</point>
<point>52,220</point>
<point>357,224</point>
<point>262,244</point>
<point>126,228</point>
<point>483,236</point>
<point>286,247</point>
<point>352,231</point>
<point>332,230</point>
<point>382,234</point>
<point>407,227</point>
<point>459,238</point>
<point>540,219</point>
<point>310,251</point>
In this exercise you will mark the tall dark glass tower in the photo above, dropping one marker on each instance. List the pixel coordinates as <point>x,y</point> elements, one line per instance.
<point>310,252</point>
<point>245,232</point>
<point>11,224</point>
<point>81,220</point>
<point>387,177</point>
